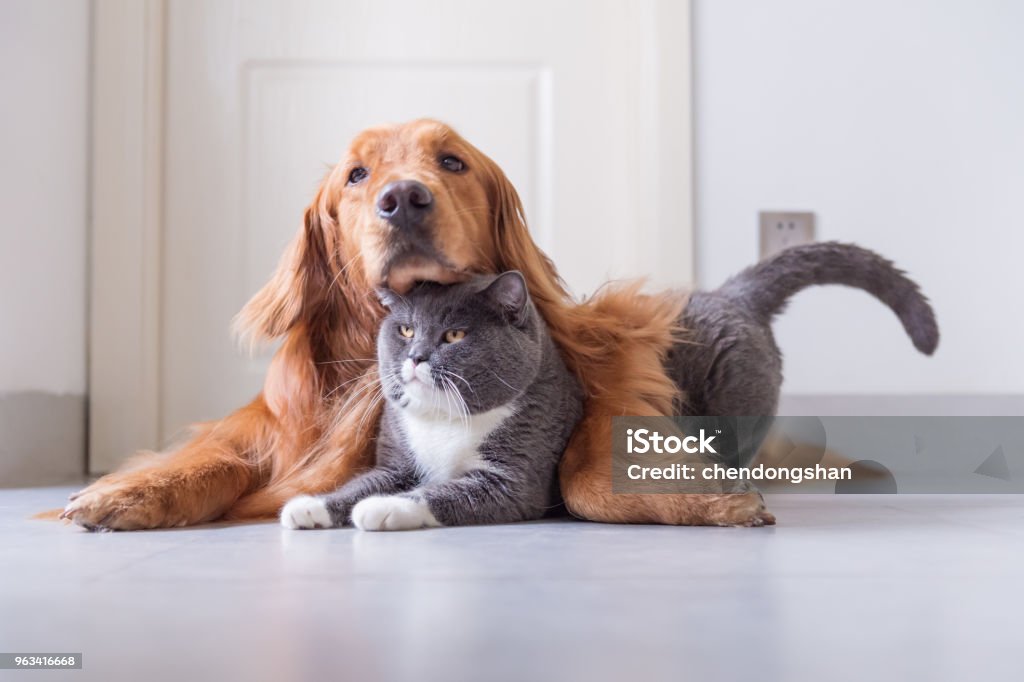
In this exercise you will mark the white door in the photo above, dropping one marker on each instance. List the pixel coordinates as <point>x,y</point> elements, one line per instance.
<point>585,105</point>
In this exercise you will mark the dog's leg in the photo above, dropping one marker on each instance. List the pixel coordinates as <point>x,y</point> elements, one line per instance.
<point>586,479</point>
<point>193,484</point>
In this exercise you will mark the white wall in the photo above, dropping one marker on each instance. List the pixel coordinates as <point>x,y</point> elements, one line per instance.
<point>902,125</point>
<point>44,146</point>
<point>44,67</point>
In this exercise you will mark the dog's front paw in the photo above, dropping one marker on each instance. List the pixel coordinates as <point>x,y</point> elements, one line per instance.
<point>305,512</point>
<point>761,517</point>
<point>748,510</point>
<point>129,501</point>
<point>392,513</point>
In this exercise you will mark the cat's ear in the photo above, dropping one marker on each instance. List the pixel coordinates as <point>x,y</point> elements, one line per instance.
<point>387,297</point>
<point>508,290</point>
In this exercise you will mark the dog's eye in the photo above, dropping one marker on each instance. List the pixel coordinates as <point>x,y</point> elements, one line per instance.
<point>406,331</point>
<point>357,175</point>
<point>454,335</point>
<point>453,164</point>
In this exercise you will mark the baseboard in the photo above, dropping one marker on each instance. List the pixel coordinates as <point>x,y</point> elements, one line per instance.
<point>42,438</point>
<point>902,405</point>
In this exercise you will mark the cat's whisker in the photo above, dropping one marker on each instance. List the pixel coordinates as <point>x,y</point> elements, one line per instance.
<point>447,397</point>
<point>434,409</point>
<point>460,378</point>
<point>375,401</point>
<point>390,380</point>
<point>344,268</point>
<point>465,408</point>
<point>335,362</point>
<point>385,381</point>
<point>460,402</point>
<point>438,401</point>
<point>374,381</point>
<point>345,383</point>
<point>498,377</point>
<point>462,399</point>
<point>459,405</point>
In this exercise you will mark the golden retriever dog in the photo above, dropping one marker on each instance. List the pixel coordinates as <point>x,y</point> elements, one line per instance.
<point>407,203</point>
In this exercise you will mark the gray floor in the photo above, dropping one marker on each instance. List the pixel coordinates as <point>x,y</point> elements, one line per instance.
<point>882,588</point>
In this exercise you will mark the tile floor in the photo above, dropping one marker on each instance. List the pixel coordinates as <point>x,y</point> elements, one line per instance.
<point>844,588</point>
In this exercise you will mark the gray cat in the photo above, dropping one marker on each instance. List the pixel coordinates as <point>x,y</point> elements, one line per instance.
<point>479,407</point>
<point>730,364</point>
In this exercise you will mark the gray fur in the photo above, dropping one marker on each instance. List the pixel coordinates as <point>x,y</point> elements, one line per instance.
<point>730,365</point>
<point>507,358</point>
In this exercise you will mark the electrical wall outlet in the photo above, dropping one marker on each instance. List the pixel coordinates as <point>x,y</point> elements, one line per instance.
<point>783,229</point>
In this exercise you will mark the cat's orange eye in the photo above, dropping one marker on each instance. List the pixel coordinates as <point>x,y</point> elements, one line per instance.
<point>406,331</point>
<point>454,335</point>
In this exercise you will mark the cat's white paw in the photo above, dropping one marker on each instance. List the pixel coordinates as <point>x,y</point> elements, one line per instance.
<point>305,511</point>
<point>392,513</point>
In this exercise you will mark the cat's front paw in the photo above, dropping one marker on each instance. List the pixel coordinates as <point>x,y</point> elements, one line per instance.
<point>305,512</point>
<point>392,513</point>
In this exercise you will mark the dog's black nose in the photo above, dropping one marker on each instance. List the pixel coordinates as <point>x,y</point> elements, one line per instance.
<point>404,203</point>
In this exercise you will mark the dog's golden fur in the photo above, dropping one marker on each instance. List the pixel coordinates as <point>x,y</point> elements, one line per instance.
<point>313,425</point>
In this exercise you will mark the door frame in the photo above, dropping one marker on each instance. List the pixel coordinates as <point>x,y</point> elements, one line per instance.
<point>125,234</point>
<point>126,264</point>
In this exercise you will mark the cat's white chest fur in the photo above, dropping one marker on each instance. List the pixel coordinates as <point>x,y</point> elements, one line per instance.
<point>447,446</point>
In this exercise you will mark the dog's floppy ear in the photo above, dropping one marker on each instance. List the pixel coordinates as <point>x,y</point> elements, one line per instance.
<point>303,281</point>
<point>514,247</point>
